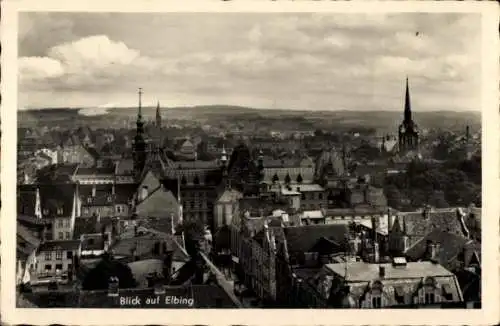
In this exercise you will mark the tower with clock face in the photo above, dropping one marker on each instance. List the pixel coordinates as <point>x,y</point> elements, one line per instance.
<point>408,130</point>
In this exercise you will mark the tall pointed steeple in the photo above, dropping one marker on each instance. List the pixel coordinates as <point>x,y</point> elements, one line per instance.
<point>158,115</point>
<point>407,117</point>
<point>139,153</point>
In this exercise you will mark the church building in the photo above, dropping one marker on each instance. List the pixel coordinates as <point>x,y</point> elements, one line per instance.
<point>408,130</point>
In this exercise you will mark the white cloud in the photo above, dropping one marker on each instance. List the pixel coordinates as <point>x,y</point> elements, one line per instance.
<point>39,68</point>
<point>319,59</point>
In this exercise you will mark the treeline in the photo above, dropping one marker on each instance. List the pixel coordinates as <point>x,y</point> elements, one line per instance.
<point>454,183</point>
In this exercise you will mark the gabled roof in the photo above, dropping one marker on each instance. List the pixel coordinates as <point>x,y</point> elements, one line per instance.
<point>450,246</point>
<point>417,225</point>
<point>59,245</point>
<point>125,167</point>
<point>57,196</point>
<point>303,238</point>
<point>161,203</point>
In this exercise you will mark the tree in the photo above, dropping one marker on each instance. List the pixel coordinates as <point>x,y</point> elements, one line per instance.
<point>275,178</point>
<point>288,179</point>
<point>194,231</point>
<point>299,178</point>
<point>98,277</point>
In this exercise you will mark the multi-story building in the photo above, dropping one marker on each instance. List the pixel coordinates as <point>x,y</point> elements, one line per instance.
<point>78,154</point>
<point>388,285</point>
<point>55,261</point>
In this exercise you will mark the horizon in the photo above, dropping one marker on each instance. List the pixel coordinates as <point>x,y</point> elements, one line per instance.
<point>296,61</point>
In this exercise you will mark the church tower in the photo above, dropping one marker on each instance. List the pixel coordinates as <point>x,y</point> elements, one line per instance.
<point>139,153</point>
<point>158,116</point>
<point>408,132</point>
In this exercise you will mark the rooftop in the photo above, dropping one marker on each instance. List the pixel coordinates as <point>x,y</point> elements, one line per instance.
<point>361,271</point>
<point>59,245</point>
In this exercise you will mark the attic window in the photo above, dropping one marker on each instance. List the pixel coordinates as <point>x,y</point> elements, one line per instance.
<point>89,200</point>
<point>60,211</point>
<point>447,294</point>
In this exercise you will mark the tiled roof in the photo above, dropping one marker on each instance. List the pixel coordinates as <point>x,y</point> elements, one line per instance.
<point>450,246</point>
<point>417,225</point>
<point>95,171</point>
<point>196,165</point>
<point>59,245</point>
<point>125,167</point>
<point>161,203</point>
<point>143,245</point>
<point>56,196</point>
<point>361,271</point>
<point>303,238</point>
<point>58,170</point>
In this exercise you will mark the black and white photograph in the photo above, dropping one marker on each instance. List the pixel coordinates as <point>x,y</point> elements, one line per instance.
<point>248,160</point>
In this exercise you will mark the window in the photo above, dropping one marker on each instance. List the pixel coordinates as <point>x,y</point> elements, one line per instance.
<point>85,211</point>
<point>69,254</point>
<point>70,266</point>
<point>60,223</point>
<point>89,200</point>
<point>61,235</point>
<point>430,297</point>
<point>320,196</point>
<point>48,255</point>
<point>60,211</point>
<point>45,211</point>
<point>58,255</point>
<point>48,267</point>
<point>303,196</point>
<point>59,267</point>
<point>68,236</point>
<point>376,302</point>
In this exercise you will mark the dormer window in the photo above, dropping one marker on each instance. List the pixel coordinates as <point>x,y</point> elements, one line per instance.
<point>89,200</point>
<point>60,211</point>
<point>430,297</point>
<point>45,211</point>
<point>109,199</point>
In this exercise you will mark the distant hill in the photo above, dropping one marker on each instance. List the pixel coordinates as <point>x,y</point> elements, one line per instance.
<point>223,113</point>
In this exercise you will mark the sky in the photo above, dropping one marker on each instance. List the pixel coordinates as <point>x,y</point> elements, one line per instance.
<point>298,61</point>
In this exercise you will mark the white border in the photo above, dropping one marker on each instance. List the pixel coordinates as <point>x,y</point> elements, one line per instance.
<point>491,213</point>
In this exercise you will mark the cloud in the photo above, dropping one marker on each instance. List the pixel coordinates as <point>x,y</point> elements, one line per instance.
<point>90,62</point>
<point>304,59</point>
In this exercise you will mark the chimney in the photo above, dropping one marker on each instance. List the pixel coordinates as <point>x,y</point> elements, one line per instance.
<point>381,271</point>
<point>113,286</point>
<point>427,211</point>
<point>376,252</point>
<point>389,220</point>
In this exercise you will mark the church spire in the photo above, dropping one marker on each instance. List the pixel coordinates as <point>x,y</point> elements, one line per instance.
<point>158,115</point>
<point>139,143</point>
<point>407,115</point>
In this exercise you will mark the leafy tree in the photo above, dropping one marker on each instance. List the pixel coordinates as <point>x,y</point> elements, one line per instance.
<point>98,277</point>
<point>194,231</point>
<point>299,178</point>
<point>275,178</point>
